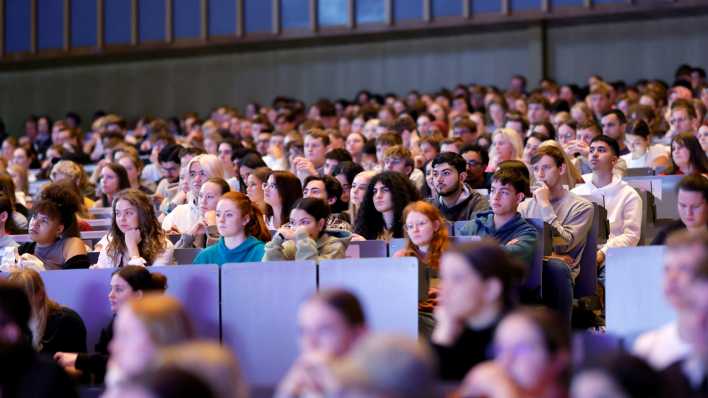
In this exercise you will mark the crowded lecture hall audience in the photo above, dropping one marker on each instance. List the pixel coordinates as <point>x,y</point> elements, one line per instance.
<point>509,200</point>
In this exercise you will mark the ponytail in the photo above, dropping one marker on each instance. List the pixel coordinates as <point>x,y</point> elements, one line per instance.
<point>140,279</point>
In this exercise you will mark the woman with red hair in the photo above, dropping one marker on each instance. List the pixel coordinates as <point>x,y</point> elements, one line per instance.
<point>425,232</point>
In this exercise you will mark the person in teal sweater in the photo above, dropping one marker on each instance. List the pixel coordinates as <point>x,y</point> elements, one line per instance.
<point>242,229</point>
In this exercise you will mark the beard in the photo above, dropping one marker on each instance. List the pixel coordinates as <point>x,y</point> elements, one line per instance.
<point>450,191</point>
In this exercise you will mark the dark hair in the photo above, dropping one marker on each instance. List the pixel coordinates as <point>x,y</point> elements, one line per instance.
<point>348,169</point>
<point>549,128</point>
<point>512,175</point>
<point>123,181</point>
<point>223,185</point>
<point>631,374</point>
<point>318,134</point>
<point>345,303</point>
<point>142,280</point>
<point>339,154</point>
<point>289,189</point>
<point>60,201</point>
<point>6,206</point>
<point>369,222</point>
<point>170,153</point>
<point>252,161</point>
<point>15,308</point>
<point>697,157</point>
<point>611,142</point>
<point>490,260</point>
<point>453,159</point>
<point>316,207</point>
<point>333,188</point>
<point>369,147</point>
<point>639,128</point>
<point>694,183</point>
<point>620,115</point>
<point>590,125</point>
<point>484,156</point>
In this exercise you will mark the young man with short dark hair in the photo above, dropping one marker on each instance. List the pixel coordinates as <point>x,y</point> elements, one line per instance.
<point>614,124</point>
<point>623,204</point>
<point>477,160</point>
<point>503,222</point>
<point>455,199</point>
<point>328,189</point>
<point>692,203</point>
<point>316,142</point>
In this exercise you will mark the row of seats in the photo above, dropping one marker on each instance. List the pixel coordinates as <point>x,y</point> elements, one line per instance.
<point>252,307</point>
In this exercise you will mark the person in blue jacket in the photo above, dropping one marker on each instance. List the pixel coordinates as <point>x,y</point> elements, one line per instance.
<point>243,232</point>
<point>504,223</point>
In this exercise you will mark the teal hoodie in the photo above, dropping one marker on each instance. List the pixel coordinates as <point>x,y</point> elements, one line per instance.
<point>250,250</point>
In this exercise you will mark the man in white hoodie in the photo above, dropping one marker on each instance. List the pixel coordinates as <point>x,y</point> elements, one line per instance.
<point>622,202</point>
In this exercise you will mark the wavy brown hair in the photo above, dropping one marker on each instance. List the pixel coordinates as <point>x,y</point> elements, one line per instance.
<point>256,225</point>
<point>439,242</point>
<point>152,241</point>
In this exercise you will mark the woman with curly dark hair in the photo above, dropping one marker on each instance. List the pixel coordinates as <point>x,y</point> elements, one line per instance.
<point>136,237</point>
<point>54,230</point>
<point>381,213</point>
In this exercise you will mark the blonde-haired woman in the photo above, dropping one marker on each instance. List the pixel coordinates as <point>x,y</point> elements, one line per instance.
<point>142,327</point>
<point>68,170</point>
<point>54,327</point>
<point>185,216</point>
<point>506,145</point>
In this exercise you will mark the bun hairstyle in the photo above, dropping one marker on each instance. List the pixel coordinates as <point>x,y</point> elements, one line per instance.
<point>256,225</point>
<point>140,279</point>
<point>60,201</point>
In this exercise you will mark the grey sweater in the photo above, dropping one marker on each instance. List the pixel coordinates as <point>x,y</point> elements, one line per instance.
<point>570,218</point>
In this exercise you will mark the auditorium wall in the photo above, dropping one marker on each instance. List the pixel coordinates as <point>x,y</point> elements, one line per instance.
<point>168,86</point>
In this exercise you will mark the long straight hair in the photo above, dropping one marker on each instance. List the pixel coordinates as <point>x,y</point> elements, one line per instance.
<point>256,225</point>
<point>438,243</point>
<point>30,281</point>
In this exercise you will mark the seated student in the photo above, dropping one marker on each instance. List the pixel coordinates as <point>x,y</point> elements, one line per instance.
<point>23,371</point>
<point>668,344</point>
<point>333,158</point>
<point>360,184</point>
<point>114,179</point>
<point>687,376</point>
<point>623,204</point>
<point>455,199</point>
<point>687,156</point>
<point>692,203</point>
<point>369,370</point>
<point>355,144</point>
<point>20,213</point>
<point>569,215</point>
<point>7,225</point>
<point>280,192</point>
<point>618,375</point>
<point>183,218</point>
<point>531,358</point>
<point>136,237</point>
<point>213,363</point>
<point>169,161</point>
<point>254,188</point>
<point>345,172</point>
<point>477,160</point>
<point>142,327</point>
<point>306,237</point>
<point>381,213</point>
<point>477,287</point>
<point>243,232</point>
<point>506,145</point>
<point>56,241</point>
<point>643,154</point>
<point>126,283</point>
<point>203,232</point>
<point>328,189</point>
<point>331,323</point>
<point>68,170</point>
<point>134,167</point>
<point>580,148</point>
<point>426,234</point>
<point>54,327</point>
<point>397,158</point>
<point>503,222</point>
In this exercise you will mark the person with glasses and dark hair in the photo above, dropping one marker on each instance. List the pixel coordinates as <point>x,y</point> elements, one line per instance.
<point>477,160</point>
